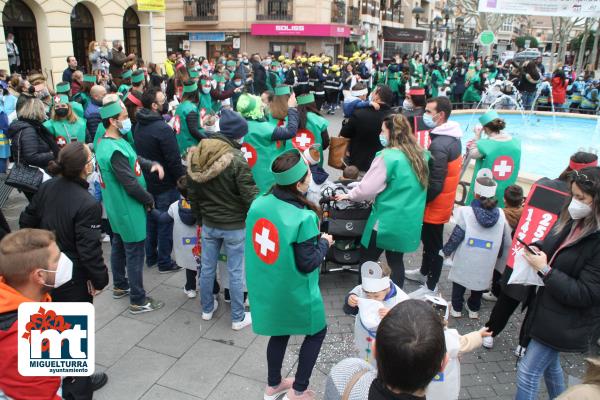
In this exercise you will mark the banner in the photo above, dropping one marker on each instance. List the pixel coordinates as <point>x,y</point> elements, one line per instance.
<point>552,8</point>
<point>151,5</point>
<point>324,30</point>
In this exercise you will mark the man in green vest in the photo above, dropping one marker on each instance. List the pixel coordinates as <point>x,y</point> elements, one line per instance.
<point>273,77</point>
<point>127,202</point>
<point>64,88</point>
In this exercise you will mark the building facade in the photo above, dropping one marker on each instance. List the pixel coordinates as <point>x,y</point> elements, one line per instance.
<point>47,31</point>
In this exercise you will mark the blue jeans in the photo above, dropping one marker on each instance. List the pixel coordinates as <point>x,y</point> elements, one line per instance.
<point>159,231</point>
<point>527,99</point>
<point>131,256</point>
<point>233,241</point>
<point>539,360</point>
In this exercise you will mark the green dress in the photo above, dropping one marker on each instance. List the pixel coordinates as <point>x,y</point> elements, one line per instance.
<point>284,300</point>
<point>185,140</point>
<point>260,151</point>
<point>436,81</point>
<point>65,132</point>
<point>472,94</point>
<point>315,125</point>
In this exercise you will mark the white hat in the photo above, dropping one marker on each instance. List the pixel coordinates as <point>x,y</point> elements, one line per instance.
<point>309,158</point>
<point>438,302</point>
<point>372,277</point>
<point>485,191</point>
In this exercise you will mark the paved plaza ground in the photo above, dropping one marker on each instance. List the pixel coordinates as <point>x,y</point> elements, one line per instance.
<point>172,354</point>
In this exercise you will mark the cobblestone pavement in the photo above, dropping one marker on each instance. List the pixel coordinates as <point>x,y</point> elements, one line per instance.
<point>172,354</point>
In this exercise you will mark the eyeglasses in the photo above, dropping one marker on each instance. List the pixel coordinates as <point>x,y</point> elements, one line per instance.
<point>582,179</point>
<point>92,159</point>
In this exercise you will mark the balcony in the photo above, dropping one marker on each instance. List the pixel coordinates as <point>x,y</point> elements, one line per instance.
<point>338,12</point>
<point>392,15</point>
<point>353,16</point>
<point>370,7</point>
<point>274,10</point>
<point>200,10</point>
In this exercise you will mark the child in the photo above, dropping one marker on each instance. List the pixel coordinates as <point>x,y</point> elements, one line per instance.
<point>358,99</point>
<point>370,302</point>
<point>320,178</point>
<point>481,234</point>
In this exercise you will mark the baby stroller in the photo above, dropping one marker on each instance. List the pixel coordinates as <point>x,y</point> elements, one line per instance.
<point>345,221</point>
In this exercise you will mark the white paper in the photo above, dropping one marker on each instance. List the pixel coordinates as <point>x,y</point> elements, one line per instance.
<point>523,273</point>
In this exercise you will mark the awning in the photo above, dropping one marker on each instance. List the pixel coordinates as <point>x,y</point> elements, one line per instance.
<point>404,35</point>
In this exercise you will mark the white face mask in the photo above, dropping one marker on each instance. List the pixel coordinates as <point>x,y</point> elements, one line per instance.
<point>64,271</point>
<point>579,210</point>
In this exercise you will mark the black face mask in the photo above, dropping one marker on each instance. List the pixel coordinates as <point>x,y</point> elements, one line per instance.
<point>61,112</point>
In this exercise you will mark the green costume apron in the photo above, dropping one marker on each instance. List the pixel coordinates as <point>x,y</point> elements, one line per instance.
<point>260,151</point>
<point>126,215</point>
<point>82,98</point>
<point>393,80</point>
<point>436,81</point>
<point>208,104</point>
<point>101,130</point>
<point>398,210</point>
<point>124,89</point>
<point>502,160</point>
<point>315,124</point>
<point>185,140</point>
<point>472,95</point>
<point>273,76</point>
<point>284,300</point>
<point>77,109</point>
<point>65,132</point>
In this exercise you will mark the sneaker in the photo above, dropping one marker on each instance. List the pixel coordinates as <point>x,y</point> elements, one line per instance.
<point>120,293</point>
<point>454,313</point>
<point>226,296</point>
<point>488,296</point>
<point>190,293</point>
<point>247,321</point>
<point>423,291</point>
<point>272,393</point>
<point>150,305</point>
<point>306,395</point>
<point>520,351</point>
<point>415,275</point>
<point>172,268</point>
<point>472,314</point>
<point>106,239</point>
<point>488,342</point>
<point>208,316</point>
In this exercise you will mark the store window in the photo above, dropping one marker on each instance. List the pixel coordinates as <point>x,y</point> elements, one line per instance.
<point>286,48</point>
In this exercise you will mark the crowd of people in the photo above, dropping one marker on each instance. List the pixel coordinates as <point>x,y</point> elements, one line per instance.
<point>223,160</point>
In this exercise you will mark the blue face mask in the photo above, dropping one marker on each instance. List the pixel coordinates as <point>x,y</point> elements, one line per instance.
<point>237,83</point>
<point>206,90</point>
<point>125,126</point>
<point>428,120</point>
<point>383,140</point>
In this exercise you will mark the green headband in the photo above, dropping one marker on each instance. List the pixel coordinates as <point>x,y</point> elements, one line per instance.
<point>190,88</point>
<point>282,90</point>
<point>193,73</point>
<point>293,174</point>
<point>60,99</point>
<point>275,64</point>
<point>231,63</point>
<point>488,117</point>
<point>111,109</point>
<point>205,82</point>
<point>306,99</point>
<point>89,78</point>
<point>63,87</point>
<point>127,74</point>
<point>137,78</point>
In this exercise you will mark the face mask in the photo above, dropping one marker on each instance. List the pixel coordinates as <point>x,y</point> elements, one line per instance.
<point>407,104</point>
<point>428,120</point>
<point>221,87</point>
<point>206,90</point>
<point>285,70</point>
<point>61,112</point>
<point>319,64</point>
<point>125,126</point>
<point>579,210</point>
<point>64,271</point>
<point>237,83</point>
<point>245,61</point>
<point>383,140</point>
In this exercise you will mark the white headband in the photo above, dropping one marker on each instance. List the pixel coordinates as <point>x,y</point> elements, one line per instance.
<point>309,158</point>
<point>485,191</point>
<point>358,93</point>
<point>375,284</point>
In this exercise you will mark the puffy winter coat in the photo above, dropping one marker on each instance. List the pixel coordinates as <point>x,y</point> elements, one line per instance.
<point>34,144</point>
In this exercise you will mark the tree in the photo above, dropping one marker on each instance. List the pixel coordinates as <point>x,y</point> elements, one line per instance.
<point>484,21</point>
<point>582,47</point>
<point>520,42</point>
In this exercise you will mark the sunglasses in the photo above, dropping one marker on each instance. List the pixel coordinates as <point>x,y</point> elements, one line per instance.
<point>582,179</point>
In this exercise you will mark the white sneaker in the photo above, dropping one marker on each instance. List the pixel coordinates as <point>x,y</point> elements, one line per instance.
<point>423,291</point>
<point>208,316</point>
<point>415,275</point>
<point>247,321</point>
<point>455,314</point>
<point>190,293</point>
<point>488,296</point>
<point>520,351</point>
<point>106,239</point>
<point>472,314</point>
<point>488,342</point>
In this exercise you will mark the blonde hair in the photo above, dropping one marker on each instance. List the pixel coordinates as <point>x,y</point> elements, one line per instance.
<point>401,137</point>
<point>32,109</point>
<point>92,47</point>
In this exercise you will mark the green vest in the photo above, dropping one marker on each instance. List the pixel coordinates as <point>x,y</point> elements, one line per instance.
<point>472,95</point>
<point>65,132</point>
<point>260,151</point>
<point>503,160</point>
<point>82,98</point>
<point>185,140</point>
<point>436,81</point>
<point>124,89</point>
<point>284,300</point>
<point>315,124</point>
<point>393,80</point>
<point>77,108</point>
<point>101,130</point>
<point>208,104</point>
<point>273,76</point>
<point>399,209</point>
<point>126,215</point>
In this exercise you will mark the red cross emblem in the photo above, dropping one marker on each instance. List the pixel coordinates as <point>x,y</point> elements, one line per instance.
<point>303,139</point>
<point>177,124</point>
<point>56,99</point>
<point>102,184</point>
<point>503,168</point>
<point>202,115</point>
<point>61,141</point>
<point>180,92</point>
<point>279,143</point>
<point>265,239</point>
<point>137,169</point>
<point>249,153</point>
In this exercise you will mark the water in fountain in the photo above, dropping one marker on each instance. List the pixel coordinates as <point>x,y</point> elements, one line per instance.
<point>541,87</point>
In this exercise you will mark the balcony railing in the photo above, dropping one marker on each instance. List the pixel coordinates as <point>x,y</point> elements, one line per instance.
<point>370,7</point>
<point>338,12</point>
<point>274,10</point>
<point>353,15</point>
<point>392,15</point>
<point>200,10</point>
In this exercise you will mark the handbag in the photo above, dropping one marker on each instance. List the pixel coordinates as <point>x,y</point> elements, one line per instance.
<point>24,177</point>
<point>337,152</point>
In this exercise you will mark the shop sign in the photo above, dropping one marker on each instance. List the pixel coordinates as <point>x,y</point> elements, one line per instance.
<point>207,36</point>
<point>151,5</point>
<point>324,30</point>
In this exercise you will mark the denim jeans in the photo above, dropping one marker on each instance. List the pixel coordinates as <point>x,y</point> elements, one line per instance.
<point>131,256</point>
<point>539,360</point>
<point>159,231</point>
<point>233,241</point>
<point>527,99</point>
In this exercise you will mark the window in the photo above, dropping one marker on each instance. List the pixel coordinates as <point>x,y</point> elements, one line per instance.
<point>507,25</point>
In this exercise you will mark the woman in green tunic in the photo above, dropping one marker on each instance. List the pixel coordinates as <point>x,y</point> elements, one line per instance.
<point>187,121</point>
<point>64,124</point>
<point>284,251</point>
<point>312,128</point>
<point>397,180</point>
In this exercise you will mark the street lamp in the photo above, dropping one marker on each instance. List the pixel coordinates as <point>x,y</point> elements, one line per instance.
<point>437,20</point>
<point>447,11</point>
<point>417,12</point>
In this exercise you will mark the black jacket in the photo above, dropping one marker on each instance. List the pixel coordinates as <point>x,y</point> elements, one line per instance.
<point>260,78</point>
<point>33,141</point>
<point>564,311</point>
<point>363,130</point>
<point>69,210</point>
<point>155,140</point>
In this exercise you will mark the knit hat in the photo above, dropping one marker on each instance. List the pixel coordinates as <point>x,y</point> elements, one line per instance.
<point>250,106</point>
<point>488,117</point>
<point>232,124</point>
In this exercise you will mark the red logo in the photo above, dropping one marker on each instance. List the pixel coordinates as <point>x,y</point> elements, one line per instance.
<point>202,115</point>
<point>102,185</point>
<point>503,168</point>
<point>61,141</point>
<point>56,99</point>
<point>43,321</point>
<point>137,168</point>
<point>303,139</point>
<point>177,124</point>
<point>250,154</point>
<point>265,239</point>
